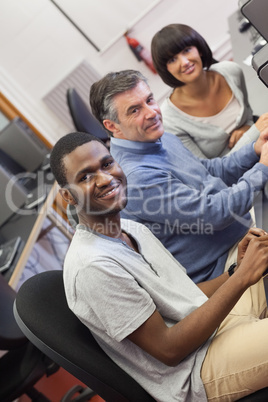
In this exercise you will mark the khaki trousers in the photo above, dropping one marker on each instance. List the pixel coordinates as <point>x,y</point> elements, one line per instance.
<point>236,363</point>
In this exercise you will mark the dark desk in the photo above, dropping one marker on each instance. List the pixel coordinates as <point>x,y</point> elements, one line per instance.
<point>242,44</point>
<point>28,228</point>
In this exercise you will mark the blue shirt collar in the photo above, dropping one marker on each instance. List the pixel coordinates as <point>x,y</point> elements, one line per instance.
<point>138,145</point>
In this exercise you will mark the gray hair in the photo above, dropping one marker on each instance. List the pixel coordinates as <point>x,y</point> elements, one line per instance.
<point>103,92</point>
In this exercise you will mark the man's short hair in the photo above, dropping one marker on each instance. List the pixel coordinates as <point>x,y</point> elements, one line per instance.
<point>103,91</point>
<point>171,40</point>
<point>64,146</point>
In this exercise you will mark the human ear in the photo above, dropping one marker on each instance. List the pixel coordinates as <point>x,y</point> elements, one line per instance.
<point>113,127</point>
<point>67,196</point>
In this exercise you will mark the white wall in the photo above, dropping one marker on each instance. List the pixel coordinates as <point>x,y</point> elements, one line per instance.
<point>39,47</point>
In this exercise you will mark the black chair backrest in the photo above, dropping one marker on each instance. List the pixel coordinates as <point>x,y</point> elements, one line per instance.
<point>83,119</point>
<point>22,364</point>
<point>43,315</point>
<point>11,337</point>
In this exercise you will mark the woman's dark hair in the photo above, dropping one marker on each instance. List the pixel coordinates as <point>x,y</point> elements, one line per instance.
<point>170,41</point>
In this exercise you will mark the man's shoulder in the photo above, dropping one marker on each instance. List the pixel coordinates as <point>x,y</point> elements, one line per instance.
<point>85,244</point>
<point>136,161</point>
<point>134,227</point>
<point>87,250</point>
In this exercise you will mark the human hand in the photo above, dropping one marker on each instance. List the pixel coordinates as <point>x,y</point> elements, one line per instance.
<point>264,154</point>
<point>254,262</point>
<point>236,135</point>
<point>243,244</point>
<point>262,122</point>
<point>263,138</point>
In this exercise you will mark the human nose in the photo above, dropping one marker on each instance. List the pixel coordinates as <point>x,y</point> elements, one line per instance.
<point>150,113</point>
<point>183,59</point>
<point>103,179</point>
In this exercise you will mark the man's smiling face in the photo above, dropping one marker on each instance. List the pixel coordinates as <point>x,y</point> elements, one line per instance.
<point>139,115</point>
<point>96,183</point>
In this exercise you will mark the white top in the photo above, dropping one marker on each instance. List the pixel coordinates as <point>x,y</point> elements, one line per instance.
<point>226,118</point>
<point>209,140</point>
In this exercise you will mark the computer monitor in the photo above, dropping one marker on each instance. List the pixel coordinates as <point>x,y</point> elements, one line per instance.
<point>12,195</point>
<point>256,12</point>
<point>22,145</point>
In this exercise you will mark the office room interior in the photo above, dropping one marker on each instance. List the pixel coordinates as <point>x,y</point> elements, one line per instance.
<point>49,46</point>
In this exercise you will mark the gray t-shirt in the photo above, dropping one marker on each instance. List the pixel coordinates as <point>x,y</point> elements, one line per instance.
<point>114,290</point>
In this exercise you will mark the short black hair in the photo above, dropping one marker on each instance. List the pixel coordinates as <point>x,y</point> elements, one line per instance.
<point>171,40</point>
<point>64,146</point>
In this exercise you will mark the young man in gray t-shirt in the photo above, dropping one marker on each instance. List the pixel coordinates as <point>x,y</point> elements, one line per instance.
<point>179,340</point>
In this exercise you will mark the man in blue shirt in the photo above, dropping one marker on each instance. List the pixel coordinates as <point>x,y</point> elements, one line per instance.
<point>199,209</point>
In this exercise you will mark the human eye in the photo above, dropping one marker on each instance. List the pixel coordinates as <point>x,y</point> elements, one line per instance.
<point>108,164</point>
<point>187,49</point>
<point>171,60</point>
<point>86,177</point>
<point>150,99</point>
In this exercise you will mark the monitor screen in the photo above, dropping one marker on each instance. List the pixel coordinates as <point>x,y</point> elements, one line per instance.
<point>21,144</point>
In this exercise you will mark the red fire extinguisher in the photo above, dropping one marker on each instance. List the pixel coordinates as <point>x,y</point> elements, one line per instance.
<point>140,52</point>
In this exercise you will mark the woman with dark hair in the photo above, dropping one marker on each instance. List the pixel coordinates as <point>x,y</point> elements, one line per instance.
<point>208,108</point>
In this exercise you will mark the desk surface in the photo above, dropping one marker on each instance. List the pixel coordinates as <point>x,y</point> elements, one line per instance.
<point>28,228</point>
<point>242,44</point>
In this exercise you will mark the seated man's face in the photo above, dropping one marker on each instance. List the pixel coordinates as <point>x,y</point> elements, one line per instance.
<point>96,183</point>
<point>139,115</point>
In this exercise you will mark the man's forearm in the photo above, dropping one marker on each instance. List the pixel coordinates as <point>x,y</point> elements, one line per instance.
<point>201,324</point>
<point>170,345</point>
<point>209,287</point>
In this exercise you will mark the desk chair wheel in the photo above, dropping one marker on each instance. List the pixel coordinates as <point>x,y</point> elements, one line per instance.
<point>84,394</point>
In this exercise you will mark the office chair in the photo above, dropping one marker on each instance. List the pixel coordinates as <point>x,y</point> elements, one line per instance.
<point>43,315</point>
<point>83,119</point>
<point>22,364</point>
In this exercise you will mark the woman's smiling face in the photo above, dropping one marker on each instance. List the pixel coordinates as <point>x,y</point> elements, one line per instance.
<point>186,66</point>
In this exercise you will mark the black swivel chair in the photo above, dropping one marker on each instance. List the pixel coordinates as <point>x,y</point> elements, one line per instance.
<point>43,315</point>
<point>83,119</point>
<point>22,364</point>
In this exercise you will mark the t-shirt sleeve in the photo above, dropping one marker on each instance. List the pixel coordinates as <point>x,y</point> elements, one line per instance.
<point>114,298</point>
